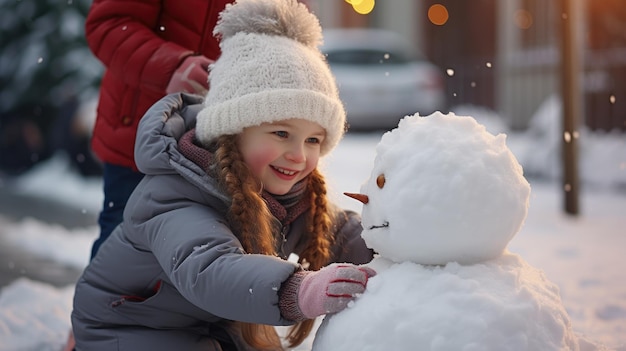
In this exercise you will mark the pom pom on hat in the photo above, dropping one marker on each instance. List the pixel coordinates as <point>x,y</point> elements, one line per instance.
<point>270,70</point>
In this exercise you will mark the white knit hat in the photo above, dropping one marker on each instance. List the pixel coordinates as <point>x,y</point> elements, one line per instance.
<point>270,70</point>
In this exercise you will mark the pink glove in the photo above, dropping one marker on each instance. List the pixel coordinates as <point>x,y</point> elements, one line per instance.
<point>191,77</point>
<point>307,295</point>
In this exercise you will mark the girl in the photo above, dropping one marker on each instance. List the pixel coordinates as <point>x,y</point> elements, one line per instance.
<point>230,232</point>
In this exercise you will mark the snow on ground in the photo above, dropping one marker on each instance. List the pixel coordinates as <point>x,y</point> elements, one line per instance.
<point>582,254</point>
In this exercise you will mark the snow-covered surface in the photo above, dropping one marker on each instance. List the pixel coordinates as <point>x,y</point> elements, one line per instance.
<point>582,255</point>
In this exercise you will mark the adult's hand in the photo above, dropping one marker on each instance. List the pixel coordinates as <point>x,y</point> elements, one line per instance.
<point>191,77</point>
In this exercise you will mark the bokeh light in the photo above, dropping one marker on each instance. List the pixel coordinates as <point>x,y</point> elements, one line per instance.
<point>567,137</point>
<point>438,14</point>
<point>523,19</point>
<point>362,7</point>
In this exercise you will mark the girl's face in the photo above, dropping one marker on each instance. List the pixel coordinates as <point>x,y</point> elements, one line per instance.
<point>281,154</point>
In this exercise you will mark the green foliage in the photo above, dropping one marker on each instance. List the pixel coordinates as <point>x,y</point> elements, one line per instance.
<point>44,58</point>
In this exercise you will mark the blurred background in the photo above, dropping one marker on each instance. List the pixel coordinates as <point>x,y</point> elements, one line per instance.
<point>501,57</point>
<point>504,54</point>
<point>500,61</point>
<point>48,82</point>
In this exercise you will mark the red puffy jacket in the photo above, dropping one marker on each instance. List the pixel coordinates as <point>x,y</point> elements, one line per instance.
<point>141,43</point>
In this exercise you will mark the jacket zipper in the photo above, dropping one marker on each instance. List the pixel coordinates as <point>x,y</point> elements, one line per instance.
<point>283,234</point>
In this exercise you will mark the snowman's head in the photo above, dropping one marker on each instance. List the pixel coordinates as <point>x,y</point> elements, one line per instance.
<point>443,189</point>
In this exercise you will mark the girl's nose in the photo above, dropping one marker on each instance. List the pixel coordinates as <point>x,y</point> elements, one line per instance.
<point>296,154</point>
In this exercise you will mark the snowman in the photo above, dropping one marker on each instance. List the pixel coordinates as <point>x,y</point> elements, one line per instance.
<point>444,199</point>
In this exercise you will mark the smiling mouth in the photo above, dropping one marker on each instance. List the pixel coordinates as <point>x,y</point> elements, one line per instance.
<point>284,171</point>
<point>384,225</point>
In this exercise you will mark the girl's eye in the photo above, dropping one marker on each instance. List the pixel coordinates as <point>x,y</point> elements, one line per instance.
<point>281,134</point>
<point>313,140</point>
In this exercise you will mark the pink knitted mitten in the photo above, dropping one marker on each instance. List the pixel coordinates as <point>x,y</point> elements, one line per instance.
<point>308,294</point>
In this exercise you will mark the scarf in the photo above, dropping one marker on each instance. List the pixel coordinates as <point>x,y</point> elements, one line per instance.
<point>286,208</point>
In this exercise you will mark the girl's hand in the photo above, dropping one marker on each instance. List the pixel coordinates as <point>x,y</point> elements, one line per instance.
<point>328,290</point>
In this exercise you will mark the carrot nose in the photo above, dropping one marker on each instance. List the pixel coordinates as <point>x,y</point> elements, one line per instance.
<point>360,197</point>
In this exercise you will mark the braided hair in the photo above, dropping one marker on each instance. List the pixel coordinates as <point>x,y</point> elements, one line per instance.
<point>251,221</point>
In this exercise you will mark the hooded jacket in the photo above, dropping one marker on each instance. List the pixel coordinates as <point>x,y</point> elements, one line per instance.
<point>141,43</point>
<point>173,274</point>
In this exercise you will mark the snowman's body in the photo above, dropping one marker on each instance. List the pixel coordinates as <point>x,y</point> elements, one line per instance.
<point>444,199</point>
<point>503,304</point>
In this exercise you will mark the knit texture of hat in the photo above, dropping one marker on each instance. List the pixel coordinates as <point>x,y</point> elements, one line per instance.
<point>270,70</point>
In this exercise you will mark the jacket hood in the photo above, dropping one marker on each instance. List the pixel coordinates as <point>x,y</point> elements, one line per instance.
<point>156,145</point>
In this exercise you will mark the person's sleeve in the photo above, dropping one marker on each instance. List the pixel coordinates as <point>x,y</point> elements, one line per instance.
<point>208,266</point>
<point>120,33</point>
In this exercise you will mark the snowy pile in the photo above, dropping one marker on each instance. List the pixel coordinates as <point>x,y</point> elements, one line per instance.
<point>34,316</point>
<point>444,199</point>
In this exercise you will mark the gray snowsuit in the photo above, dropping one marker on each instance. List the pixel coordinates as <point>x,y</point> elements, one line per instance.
<point>172,276</point>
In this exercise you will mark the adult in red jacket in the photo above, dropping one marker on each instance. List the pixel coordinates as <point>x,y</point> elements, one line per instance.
<point>149,48</point>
